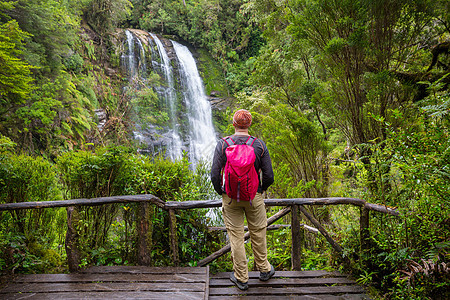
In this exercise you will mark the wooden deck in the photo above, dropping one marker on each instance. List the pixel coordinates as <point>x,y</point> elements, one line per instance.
<point>288,285</point>
<point>113,283</point>
<point>179,283</point>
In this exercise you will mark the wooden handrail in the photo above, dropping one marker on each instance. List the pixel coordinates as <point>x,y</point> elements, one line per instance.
<point>194,204</point>
<point>172,206</point>
<point>83,202</point>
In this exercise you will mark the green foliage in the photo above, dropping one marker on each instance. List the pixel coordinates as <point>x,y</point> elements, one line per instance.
<point>50,113</point>
<point>29,237</point>
<point>222,27</point>
<point>6,144</point>
<point>340,65</point>
<point>279,248</point>
<point>24,178</point>
<point>74,63</point>
<point>315,74</point>
<point>89,175</point>
<point>286,131</point>
<point>108,233</point>
<point>149,108</point>
<point>212,74</point>
<point>105,15</point>
<point>347,34</point>
<point>427,277</point>
<point>15,75</point>
<point>52,26</point>
<point>409,170</point>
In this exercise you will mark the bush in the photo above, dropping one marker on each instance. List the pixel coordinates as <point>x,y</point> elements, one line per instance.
<point>24,179</point>
<point>409,170</point>
<point>108,232</point>
<point>74,63</point>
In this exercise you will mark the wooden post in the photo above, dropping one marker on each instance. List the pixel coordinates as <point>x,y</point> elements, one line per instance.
<point>364,234</point>
<point>144,228</point>
<point>71,245</point>
<point>173,237</point>
<point>297,237</point>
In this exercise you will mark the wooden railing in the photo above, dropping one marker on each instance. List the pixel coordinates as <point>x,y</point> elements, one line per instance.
<point>291,205</point>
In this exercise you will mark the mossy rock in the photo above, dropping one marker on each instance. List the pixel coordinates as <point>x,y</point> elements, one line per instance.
<point>212,74</point>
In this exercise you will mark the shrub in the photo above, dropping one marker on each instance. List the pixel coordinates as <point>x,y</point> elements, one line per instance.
<point>25,178</point>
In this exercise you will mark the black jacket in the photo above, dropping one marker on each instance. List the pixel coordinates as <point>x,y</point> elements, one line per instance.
<point>262,163</point>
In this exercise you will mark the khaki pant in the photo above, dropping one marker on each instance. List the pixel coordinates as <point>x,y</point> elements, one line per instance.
<point>233,215</point>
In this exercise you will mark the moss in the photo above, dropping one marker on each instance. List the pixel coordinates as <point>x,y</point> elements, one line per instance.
<point>220,120</point>
<point>211,73</point>
<point>45,259</point>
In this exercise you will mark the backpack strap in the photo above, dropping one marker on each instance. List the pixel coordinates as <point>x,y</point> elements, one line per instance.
<point>229,141</point>
<point>250,140</point>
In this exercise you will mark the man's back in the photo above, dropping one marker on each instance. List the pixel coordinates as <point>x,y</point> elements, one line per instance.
<point>263,164</point>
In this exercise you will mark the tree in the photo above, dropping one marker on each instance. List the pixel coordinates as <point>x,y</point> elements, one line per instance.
<point>105,15</point>
<point>15,73</point>
<point>40,103</point>
<point>297,147</point>
<point>363,46</point>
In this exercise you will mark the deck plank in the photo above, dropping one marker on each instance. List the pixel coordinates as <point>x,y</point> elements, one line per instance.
<point>144,270</point>
<point>106,295</point>
<point>275,281</point>
<point>296,297</point>
<point>313,290</point>
<point>111,277</point>
<point>103,287</point>
<point>288,274</point>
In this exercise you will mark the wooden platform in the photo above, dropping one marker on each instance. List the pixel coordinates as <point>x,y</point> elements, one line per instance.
<point>113,283</point>
<point>288,285</point>
<point>121,282</point>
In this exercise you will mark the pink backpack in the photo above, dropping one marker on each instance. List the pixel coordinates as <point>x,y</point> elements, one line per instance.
<point>241,179</point>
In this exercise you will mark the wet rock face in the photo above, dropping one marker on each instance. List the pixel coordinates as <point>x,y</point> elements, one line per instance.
<point>214,94</point>
<point>219,103</point>
<point>169,48</point>
<point>102,118</point>
<point>110,72</point>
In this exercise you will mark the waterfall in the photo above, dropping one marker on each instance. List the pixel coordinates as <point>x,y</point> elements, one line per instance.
<point>134,60</point>
<point>189,127</point>
<point>135,65</point>
<point>202,138</point>
<point>168,93</point>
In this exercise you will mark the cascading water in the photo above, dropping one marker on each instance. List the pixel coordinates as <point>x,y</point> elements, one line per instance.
<point>135,64</point>
<point>190,125</point>
<point>168,93</point>
<point>202,137</point>
<point>134,60</point>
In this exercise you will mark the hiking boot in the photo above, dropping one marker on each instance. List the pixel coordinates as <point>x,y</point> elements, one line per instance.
<point>264,276</point>
<point>241,285</point>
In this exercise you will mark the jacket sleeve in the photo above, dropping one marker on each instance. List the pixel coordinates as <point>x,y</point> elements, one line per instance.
<point>266,168</point>
<point>218,164</point>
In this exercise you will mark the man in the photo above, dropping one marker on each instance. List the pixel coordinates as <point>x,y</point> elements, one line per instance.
<point>255,211</point>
